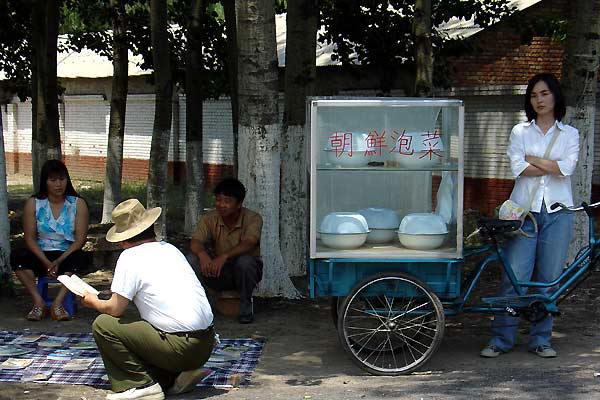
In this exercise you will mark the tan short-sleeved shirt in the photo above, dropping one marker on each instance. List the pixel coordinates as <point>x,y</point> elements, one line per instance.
<point>212,228</point>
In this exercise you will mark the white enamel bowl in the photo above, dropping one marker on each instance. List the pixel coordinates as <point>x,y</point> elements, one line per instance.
<point>421,241</point>
<point>381,235</point>
<point>348,153</point>
<point>343,241</point>
<point>422,231</point>
<point>426,151</point>
<point>383,224</point>
<point>358,159</point>
<point>418,160</point>
<point>344,222</point>
<point>344,230</point>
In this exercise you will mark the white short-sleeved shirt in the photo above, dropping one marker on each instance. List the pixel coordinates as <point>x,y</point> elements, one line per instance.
<point>158,279</point>
<point>527,139</point>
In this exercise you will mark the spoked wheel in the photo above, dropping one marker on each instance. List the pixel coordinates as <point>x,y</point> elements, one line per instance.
<point>390,324</point>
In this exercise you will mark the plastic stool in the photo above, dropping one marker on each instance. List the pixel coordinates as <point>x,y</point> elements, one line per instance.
<point>69,303</point>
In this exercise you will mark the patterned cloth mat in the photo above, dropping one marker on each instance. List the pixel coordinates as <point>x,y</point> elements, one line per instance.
<point>227,370</point>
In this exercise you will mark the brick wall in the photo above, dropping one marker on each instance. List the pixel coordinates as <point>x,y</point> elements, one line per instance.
<point>499,56</point>
<point>489,116</point>
<point>84,123</point>
<point>134,170</point>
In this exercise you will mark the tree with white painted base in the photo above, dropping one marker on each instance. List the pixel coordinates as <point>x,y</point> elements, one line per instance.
<point>579,82</point>
<point>260,135</point>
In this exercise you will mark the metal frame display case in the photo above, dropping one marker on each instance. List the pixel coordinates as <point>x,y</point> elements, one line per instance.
<point>403,154</point>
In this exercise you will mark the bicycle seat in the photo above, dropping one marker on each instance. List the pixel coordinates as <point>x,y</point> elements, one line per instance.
<point>494,226</point>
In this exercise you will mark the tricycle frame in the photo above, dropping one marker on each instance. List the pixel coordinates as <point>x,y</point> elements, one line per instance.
<point>438,279</point>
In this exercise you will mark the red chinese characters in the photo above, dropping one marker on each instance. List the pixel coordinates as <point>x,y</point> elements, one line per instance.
<point>341,143</point>
<point>375,143</point>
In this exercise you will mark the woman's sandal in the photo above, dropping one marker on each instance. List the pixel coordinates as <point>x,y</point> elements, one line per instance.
<point>37,313</point>
<point>58,313</point>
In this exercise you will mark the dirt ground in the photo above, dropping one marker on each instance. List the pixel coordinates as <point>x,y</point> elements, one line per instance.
<point>303,359</point>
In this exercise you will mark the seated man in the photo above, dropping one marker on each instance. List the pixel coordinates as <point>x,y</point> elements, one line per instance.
<point>233,232</point>
<point>167,347</point>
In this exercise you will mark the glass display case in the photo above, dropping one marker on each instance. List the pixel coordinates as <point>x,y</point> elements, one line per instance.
<point>386,178</point>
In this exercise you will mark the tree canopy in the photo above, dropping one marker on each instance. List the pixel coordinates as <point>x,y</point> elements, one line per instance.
<point>378,33</point>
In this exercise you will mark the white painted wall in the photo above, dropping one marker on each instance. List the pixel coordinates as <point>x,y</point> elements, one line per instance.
<point>489,116</point>
<point>84,127</point>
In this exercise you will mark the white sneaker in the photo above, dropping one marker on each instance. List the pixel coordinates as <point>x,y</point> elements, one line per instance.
<point>153,392</point>
<point>544,351</point>
<point>186,381</point>
<point>490,351</point>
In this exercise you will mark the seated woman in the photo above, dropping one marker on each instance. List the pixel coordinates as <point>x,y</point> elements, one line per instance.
<point>55,224</point>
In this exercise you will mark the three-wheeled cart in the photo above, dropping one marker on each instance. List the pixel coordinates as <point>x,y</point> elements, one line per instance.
<point>386,229</point>
<point>404,155</point>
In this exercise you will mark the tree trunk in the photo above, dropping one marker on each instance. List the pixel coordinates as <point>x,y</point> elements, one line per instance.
<point>232,70</point>
<point>161,131</point>
<point>6,286</point>
<point>579,80</point>
<point>45,143</point>
<point>47,104</point>
<point>194,71</point>
<point>300,76</point>
<point>38,141</point>
<point>423,51</point>
<point>118,107</point>
<point>259,141</point>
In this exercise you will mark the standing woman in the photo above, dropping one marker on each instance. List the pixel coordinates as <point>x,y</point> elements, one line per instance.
<point>544,252</point>
<point>55,224</point>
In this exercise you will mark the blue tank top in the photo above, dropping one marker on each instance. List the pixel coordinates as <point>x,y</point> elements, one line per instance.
<point>55,233</point>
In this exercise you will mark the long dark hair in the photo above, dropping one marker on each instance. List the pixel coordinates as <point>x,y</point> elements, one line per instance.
<point>560,109</point>
<point>54,167</point>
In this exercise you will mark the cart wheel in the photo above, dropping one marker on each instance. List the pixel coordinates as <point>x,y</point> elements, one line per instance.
<point>390,323</point>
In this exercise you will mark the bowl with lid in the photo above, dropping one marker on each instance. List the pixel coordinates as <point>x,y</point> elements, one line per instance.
<point>348,150</point>
<point>422,231</point>
<point>343,230</point>
<point>383,224</point>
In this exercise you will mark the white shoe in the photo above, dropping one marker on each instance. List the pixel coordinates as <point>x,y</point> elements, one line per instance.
<point>153,392</point>
<point>186,381</point>
<point>490,351</point>
<point>544,351</point>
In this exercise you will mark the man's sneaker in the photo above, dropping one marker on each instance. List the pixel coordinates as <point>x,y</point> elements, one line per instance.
<point>151,392</point>
<point>186,381</point>
<point>490,351</point>
<point>544,351</point>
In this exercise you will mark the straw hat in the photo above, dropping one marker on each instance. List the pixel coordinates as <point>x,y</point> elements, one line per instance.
<point>131,218</point>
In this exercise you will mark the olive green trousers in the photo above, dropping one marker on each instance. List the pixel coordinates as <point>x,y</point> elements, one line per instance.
<point>135,353</point>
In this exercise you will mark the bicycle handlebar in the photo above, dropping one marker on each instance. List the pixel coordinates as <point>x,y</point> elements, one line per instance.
<point>584,206</point>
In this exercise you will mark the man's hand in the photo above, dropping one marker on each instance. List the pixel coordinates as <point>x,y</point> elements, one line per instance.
<point>217,265</point>
<point>205,264</point>
<point>114,306</point>
<point>89,300</point>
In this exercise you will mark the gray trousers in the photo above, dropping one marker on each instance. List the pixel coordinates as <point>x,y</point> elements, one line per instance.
<point>135,353</point>
<point>241,274</point>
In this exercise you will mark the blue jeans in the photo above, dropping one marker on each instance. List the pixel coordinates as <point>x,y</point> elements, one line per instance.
<point>544,254</point>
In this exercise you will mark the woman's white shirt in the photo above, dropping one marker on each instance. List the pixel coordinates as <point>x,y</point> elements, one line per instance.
<point>527,139</point>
